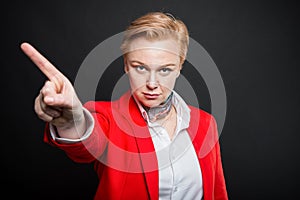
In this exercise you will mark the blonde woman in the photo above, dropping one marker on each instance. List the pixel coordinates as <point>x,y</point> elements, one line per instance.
<point>147,144</point>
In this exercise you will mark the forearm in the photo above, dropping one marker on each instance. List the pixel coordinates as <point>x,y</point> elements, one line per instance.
<point>74,131</point>
<point>81,150</point>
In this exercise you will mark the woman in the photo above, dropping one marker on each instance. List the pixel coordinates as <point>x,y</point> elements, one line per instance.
<point>149,144</point>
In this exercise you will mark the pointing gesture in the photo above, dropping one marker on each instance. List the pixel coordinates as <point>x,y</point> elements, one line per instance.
<point>57,102</point>
<point>44,65</point>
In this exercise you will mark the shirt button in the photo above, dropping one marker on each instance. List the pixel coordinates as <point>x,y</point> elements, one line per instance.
<point>175,189</point>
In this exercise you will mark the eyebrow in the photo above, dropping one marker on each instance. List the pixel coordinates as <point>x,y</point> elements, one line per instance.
<point>141,63</point>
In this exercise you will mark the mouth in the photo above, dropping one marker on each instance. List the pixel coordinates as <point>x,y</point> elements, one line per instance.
<point>151,96</point>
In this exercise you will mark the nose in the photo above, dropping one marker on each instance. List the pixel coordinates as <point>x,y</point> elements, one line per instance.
<point>152,82</point>
<point>152,85</point>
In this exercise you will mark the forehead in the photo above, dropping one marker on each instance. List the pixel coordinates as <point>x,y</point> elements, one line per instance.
<point>155,52</point>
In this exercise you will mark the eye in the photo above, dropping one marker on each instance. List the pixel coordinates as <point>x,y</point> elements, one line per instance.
<point>165,71</point>
<point>140,68</point>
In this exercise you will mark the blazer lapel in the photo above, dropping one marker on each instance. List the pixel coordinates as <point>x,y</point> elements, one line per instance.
<point>144,143</point>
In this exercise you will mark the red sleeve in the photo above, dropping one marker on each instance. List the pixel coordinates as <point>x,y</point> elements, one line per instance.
<point>220,191</point>
<point>91,148</point>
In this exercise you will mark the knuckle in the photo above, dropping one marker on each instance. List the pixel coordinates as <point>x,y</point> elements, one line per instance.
<point>43,90</point>
<point>36,107</point>
<point>43,106</point>
<point>49,84</point>
<point>45,117</point>
<point>37,99</point>
<point>61,100</point>
<point>40,113</point>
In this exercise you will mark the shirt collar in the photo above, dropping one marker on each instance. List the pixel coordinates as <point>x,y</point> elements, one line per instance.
<point>183,111</point>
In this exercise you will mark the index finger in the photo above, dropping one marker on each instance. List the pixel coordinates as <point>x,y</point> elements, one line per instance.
<point>42,63</point>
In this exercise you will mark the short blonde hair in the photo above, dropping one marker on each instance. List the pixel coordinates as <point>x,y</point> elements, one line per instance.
<point>157,26</point>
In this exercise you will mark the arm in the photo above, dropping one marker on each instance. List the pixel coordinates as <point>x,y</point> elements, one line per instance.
<point>89,128</point>
<point>57,102</point>
<point>88,148</point>
<point>58,105</point>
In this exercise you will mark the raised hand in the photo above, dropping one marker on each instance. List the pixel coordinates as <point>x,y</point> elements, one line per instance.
<point>57,101</point>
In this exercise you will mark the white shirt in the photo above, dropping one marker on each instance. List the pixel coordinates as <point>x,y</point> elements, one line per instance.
<point>180,175</point>
<point>179,171</point>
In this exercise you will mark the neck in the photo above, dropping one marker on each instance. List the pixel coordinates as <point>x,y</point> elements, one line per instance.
<point>159,112</point>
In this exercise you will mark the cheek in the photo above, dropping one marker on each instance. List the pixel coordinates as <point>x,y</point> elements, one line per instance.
<point>168,83</point>
<point>135,82</point>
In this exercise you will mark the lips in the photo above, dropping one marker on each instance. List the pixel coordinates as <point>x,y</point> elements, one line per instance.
<point>151,96</point>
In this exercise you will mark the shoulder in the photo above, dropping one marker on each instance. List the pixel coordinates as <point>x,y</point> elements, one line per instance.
<point>107,106</point>
<point>200,113</point>
<point>202,122</point>
<point>204,127</point>
<point>195,112</point>
<point>97,105</point>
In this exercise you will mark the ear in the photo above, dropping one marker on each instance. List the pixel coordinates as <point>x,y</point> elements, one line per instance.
<point>178,73</point>
<point>126,69</point>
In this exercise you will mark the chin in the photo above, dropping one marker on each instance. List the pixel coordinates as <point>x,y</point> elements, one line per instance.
<point>150,103</point>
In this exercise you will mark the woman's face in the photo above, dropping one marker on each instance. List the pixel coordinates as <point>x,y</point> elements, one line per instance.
<point>152,68</point>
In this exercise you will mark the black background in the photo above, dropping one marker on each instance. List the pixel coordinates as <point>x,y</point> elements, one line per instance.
<point>254,44</point>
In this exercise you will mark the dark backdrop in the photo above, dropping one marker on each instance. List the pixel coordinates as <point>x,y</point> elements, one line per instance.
<point>254,44</point>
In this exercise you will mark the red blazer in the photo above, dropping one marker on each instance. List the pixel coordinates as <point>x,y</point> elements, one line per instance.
<point>123,154</point>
